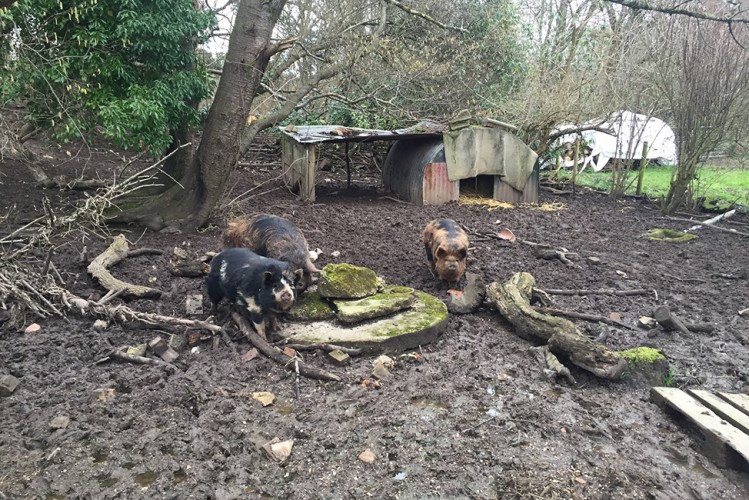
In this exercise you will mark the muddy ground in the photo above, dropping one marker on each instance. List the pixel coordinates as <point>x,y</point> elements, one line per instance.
<point>197,433</point>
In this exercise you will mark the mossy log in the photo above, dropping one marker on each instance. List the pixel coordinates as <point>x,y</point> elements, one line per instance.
<point>116,252</point>
<point>564,339</point>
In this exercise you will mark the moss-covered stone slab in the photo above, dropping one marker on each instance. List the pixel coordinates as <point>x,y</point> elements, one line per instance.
<point>419,325</point>
<point>311,306</point>
<point>346,281</point>
<point>669,235</point>
<point>376,306</point>
<point>646,365</point>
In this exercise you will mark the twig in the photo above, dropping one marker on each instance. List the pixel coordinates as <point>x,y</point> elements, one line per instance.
<point>124,313</point>
<point>584,316</point>
<point>144,251</point>
<point>685,280</point>
<point>228,341</point>
<point>479,424</point>
<point>717,228</point>
<point>41,297</point>
<point>392,198</point>
<point>595,292</point>
<point>132,358</point>
<point>324,347</point>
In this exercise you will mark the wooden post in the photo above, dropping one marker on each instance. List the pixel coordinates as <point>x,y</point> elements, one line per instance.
<point>348,168</point>
<point>643,166</point>
<point>575,156</point>
<point>298,163</point>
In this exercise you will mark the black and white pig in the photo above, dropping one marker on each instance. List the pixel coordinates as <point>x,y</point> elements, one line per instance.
<point>252,283</point>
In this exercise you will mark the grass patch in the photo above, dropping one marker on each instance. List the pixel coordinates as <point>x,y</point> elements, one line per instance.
<point>714,183</point>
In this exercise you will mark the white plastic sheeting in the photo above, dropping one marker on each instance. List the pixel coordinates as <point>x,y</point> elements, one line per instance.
<point>628,132</point>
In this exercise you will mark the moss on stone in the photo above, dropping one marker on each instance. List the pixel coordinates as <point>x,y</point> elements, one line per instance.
<point>646,364</point>
<point>311,307</point>
<point>427,312</point>
<point>380,304</point>
<point>669,235</point>
<point>420,325</point>
<point>346,281</point>
<point>642,355</point>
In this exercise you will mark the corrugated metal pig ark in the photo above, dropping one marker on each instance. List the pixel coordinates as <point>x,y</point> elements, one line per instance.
<point>429,171</point>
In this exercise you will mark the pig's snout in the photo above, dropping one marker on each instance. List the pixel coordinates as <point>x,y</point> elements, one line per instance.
<point>285,298</point>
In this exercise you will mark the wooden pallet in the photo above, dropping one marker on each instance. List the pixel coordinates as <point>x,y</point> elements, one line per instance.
<point>721,422</point>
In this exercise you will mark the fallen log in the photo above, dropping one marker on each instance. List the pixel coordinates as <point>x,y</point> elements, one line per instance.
<point>116,252</point>
<point>670,322</point>
<point>279,357</point>
<point>513,301</point>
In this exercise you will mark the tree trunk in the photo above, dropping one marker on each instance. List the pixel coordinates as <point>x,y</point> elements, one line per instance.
<point>189,201</point>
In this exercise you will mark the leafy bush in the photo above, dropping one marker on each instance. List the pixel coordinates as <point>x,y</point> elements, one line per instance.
<point>128,66</point>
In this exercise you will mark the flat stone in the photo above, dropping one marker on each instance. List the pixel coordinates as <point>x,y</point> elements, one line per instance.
<point>59,422</point>
<point>376,306</point>
<point>346,281</point>
<point>420,325</point>
<point>339,357</point>
<point>100,325</point>
<point>138,350</point>
<point>158,345</point>
<point>367,456</point>
<point>380,372</point>
<point>177,341</point>
<point>8,384</point>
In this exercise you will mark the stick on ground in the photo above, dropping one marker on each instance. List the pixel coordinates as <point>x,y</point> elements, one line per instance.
<point>279,357</point>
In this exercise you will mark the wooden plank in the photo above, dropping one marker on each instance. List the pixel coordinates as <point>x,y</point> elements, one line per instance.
<point>740,401</point>
<point>723,443</point>
<point>307,184</point>
<point>298,163</point>
<point>724,410</point>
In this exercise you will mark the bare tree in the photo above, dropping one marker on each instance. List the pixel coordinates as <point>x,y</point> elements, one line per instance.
<point>703,75</point>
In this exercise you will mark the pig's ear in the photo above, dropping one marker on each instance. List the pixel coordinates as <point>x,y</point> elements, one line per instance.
<point>267,278</point>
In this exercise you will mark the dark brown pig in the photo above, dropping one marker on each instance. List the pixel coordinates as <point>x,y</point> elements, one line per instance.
<point>446,246</point>
<point>274,237</point>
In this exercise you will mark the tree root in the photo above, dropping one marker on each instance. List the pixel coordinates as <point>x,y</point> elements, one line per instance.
<point>279,357</point>
<point>116,252</point>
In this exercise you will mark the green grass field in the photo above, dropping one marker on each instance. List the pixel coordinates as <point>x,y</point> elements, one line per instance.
<point>731,185</point>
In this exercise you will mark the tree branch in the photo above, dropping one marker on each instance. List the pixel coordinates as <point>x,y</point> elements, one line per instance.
<point>413,12</point>
<point>673,11</point>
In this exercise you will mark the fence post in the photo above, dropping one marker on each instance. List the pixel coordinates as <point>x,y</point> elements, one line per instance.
<point>643,166</point>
